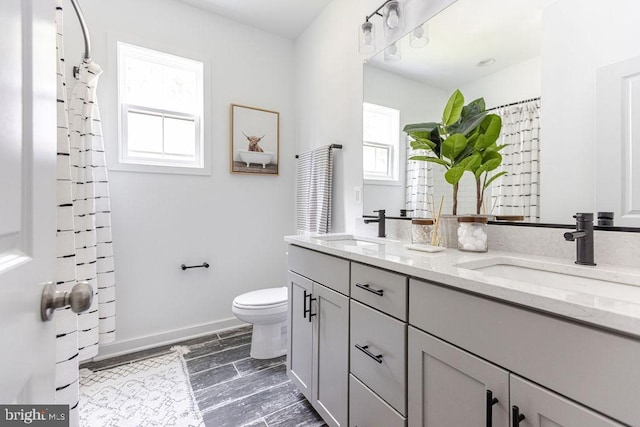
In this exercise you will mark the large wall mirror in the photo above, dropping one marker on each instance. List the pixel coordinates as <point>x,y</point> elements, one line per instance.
<point>540,65</point>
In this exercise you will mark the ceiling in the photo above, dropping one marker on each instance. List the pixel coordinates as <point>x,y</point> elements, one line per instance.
<point>287,18</point>
<point>466,33</point>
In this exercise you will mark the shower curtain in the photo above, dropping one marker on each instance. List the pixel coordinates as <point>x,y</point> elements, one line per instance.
<point>518,192</point>
<point>84,246</point>
<point>419,184</point>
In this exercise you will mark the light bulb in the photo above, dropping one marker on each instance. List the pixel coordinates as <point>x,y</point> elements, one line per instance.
<point>392,49</point>
<point>393,19</point>
<point>367,37</point>
<point>418,32</point>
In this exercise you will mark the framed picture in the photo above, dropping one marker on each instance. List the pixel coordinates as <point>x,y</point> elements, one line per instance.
<point>255,140</point>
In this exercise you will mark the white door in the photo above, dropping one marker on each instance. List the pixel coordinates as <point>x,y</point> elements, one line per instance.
<point>27,198</point>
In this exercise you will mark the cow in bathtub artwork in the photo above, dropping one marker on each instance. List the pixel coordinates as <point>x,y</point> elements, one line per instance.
<point>258,152</point>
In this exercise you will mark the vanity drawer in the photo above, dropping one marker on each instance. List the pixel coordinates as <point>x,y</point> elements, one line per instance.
<point>378,353</point>
<point>366,409</point>
<point>599,369</point>
<point>380,289</point>
<point>327,270</point>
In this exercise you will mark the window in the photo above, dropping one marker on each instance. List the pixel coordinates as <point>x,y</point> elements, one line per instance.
<point>161,108</point>
<point>381,134</point>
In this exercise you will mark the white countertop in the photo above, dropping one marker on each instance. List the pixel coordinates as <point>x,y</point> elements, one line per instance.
<point>614,305</point>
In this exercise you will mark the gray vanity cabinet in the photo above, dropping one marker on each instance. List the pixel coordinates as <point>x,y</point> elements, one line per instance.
<point>318,356</point>
<point>543,408</point>
<point>450,387</point>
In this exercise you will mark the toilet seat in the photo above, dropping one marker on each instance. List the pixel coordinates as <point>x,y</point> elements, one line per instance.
<point>262,299</point>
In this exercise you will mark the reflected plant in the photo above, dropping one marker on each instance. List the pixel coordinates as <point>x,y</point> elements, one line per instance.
<point>465,140</point>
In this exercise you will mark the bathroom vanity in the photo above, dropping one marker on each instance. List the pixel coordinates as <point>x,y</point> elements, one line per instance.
<point>384,336</point>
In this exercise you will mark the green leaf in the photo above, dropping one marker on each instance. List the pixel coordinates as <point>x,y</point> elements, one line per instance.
<point>490,127</point>
<point>422,144</point>
<point>420,127</point>
<point>453,146</point>
<point>479,145</point>
<point>491,155</point>
<point>454,175</point>
<point>490,161</point>
<point>471,163</point>
<point>493,178</point>
<point>453,109</point>
<point>431,160</point>
<point>469,124</point>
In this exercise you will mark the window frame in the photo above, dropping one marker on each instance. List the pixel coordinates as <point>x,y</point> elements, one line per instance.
<point>200,165</point>
<point>393,163</point>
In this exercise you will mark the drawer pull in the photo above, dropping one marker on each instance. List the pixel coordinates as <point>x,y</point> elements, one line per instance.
<point>490,402</point>
<point>304,302</point>
<point>516,416</point>
<point>368,288</point>
<point>365,350</point>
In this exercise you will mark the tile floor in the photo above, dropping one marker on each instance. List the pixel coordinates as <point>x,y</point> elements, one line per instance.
<point>232,389</point>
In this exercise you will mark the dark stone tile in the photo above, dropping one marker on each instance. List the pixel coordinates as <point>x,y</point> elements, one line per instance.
<point>236,331</point>
<point>300,414</point>
<point>211,377</point>
<point>208,347</point>
<point>253,407</point>
<point>257,423</point>
<point>219,358</point>
<point>229,392</point>
<point>250,365</point>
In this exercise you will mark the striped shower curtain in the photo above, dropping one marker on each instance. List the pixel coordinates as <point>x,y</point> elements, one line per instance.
<point>314,191</point>
<point>84,247</point>
<point>419,184</point>
<point>518,192</point>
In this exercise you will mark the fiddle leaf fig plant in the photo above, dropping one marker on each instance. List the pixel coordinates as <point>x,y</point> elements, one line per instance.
<point>465,140</point>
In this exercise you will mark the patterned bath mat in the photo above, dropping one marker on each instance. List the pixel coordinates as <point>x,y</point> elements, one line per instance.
<point>150,392</point>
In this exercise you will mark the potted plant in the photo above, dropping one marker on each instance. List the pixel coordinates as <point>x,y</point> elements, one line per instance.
<point>465,140</point>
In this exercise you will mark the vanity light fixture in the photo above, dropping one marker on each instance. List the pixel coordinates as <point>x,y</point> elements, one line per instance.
<point>392,21</point>
<point>392,52</point>
<point>419,36</point>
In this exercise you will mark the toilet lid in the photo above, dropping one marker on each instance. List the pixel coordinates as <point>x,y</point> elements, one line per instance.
<point>262,297</point>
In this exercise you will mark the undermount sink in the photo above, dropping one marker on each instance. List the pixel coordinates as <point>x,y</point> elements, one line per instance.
<point>351,240</point>
<point>553,275</point>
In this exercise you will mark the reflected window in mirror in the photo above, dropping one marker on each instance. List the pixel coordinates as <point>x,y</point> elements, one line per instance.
<point>381,140</point>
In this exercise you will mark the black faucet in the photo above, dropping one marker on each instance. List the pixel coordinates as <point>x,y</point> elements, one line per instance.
<point>381,220</point>
<point>583,236</point>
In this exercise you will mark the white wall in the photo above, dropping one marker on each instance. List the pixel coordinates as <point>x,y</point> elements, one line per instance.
<point>512,84</point>
<point>234,222</point>
<point>417,103</point>
<point>577,40</point>
<point>328,91</point>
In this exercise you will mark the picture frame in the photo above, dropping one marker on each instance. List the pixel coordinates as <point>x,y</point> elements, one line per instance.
<point>255,140</point>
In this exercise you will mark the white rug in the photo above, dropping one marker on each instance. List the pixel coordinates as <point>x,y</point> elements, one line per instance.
<point>151,392</point>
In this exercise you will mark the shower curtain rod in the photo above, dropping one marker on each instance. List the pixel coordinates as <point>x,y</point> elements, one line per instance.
<point>514,103</point>
<point>85,30</point>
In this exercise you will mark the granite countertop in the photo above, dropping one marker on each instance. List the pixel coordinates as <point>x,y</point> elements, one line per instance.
<point>613,305</point>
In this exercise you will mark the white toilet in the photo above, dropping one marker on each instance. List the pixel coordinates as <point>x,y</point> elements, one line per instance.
<point>266,309</point>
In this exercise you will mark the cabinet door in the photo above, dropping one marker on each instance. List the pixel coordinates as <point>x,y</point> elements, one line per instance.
<point>450,387</point>
<point>330,355</point>
<point>299,356</point>
<point>543,408</point>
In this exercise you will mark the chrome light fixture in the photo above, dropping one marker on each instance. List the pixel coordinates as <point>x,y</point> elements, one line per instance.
<point>367,38</point>
<point>393,24</point>
<point>419,36</point>
<point>392,52</point>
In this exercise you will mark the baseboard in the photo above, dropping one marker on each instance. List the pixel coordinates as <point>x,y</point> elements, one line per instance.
<point>119,348</point>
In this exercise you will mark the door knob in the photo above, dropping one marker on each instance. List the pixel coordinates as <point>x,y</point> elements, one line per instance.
<point>79,299</point>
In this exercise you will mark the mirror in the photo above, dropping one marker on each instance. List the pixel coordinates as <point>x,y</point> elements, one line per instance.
<point>510,51</point>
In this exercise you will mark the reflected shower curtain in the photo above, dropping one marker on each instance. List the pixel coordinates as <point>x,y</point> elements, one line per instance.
<point>419,184</point>
<point>518,192</point>
<point>84,246</point>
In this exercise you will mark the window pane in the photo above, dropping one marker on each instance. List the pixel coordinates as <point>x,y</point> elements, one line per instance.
<point>179,137</point>
<point>144,133</point>
<point>376,160</point>
<point>179,90</point>
<point>143,80</point>
<point>377,127</point>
